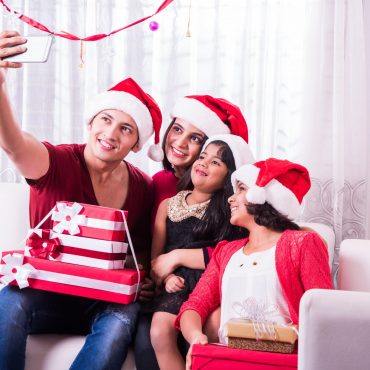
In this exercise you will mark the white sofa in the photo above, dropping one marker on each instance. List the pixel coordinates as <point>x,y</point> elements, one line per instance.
<point>44,352</point>
<point>56,352</point>
<point>334,325</point>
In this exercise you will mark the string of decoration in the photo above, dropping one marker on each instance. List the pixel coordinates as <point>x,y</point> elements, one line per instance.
<point>188,33</point>
<point>70,36</point>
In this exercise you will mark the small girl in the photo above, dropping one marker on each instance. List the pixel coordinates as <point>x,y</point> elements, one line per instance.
<point>192,220</point>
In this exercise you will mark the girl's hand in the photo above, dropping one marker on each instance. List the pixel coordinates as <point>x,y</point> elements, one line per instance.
<point>163,265</point>
<point>11,43</point>
<point>174,284</point>
<point>198,338</point>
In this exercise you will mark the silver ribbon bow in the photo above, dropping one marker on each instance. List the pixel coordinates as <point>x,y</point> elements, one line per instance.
<point>69,218</point>
<point>259,313</point>
<point>14,269</point>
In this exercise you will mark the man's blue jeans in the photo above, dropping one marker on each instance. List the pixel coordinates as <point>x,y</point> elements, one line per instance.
<point>109,326</point>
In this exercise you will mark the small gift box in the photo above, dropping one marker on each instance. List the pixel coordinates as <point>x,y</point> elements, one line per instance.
<point>120,286</point>
<point>49,245</point>
<point>89,221</point>
<point>219,357</point>
<point>261,336</point>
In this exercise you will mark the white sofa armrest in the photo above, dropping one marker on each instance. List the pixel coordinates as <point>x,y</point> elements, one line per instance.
<point>14,214</point>
<point>334,330</point>
<point>57,352</point>
<point>354,265</point>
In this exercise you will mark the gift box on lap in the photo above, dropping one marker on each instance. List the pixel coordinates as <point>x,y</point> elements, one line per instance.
<point>89,221</point>
<point>47,244</point>
<point>118,286</point>
<point>260,336</point>
<point>219,357</point>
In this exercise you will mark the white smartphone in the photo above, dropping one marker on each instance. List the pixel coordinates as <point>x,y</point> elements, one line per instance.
<point>38,49</point>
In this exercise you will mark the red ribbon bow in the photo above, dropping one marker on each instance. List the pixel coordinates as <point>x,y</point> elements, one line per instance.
<point>42,246</point>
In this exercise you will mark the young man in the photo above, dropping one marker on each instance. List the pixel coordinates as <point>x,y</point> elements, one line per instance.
<point>119,120</point>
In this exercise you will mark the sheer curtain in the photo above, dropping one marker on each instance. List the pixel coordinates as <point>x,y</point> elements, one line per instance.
<point>298,69</point>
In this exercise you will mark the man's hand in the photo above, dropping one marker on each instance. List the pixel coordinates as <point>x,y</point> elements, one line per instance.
<point>163,266</point>
<point>11,43</point>
<point>147,290</point>
<point>174,284</point>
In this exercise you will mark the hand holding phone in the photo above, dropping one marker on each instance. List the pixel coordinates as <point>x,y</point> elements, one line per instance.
<point>38,49</point>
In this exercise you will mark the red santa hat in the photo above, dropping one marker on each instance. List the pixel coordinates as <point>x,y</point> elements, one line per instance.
<point>211,115</point>
<point>129,97</point>
<point>238,146</point>
<point>280,183</point>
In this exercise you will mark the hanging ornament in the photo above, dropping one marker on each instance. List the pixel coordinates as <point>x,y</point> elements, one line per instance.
<point>188,33</point>
<point>82,57</point>
<point>153,25</point>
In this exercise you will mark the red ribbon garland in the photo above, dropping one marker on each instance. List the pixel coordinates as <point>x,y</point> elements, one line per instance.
<point>70,36</point>
<point>43,247</point>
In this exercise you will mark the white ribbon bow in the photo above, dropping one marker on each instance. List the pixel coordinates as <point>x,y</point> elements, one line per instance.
<point>13,269</point>
<point>260,314</point>
<point>69,218</point>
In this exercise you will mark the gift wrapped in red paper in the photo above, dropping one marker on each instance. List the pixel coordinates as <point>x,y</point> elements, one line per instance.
<point>89,221</point>
<point>66,248</point>
<point>121,286</point>
<point>220,357</point>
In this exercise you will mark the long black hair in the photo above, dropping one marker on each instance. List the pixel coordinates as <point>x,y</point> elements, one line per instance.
<point>266,215</point>
<point>215,223</point>
<point>166,164</point>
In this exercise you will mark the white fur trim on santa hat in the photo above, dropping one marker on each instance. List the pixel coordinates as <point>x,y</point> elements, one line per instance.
<point>275,193</point>
<point>246,174</point>
<point>240,149</point>
<point>124,102</point>
<point>203,118</point>
<point>256,195</point>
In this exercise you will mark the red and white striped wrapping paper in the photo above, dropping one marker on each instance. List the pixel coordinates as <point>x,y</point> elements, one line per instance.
<point>47,244</point>
<point>118,286</point>
<point>89,221</point>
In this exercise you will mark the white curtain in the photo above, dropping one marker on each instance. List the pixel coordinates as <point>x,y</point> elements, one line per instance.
<point>299,69</point>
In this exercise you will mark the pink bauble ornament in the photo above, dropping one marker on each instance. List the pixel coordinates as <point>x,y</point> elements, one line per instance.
<point>153,25</point>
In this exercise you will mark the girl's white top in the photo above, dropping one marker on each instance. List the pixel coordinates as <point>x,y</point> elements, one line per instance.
<point>251,289</point>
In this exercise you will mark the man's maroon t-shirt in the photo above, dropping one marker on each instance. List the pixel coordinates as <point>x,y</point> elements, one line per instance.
<point>68,179</point>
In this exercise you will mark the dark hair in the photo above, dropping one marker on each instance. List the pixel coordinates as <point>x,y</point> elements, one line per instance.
<point>166,164</point>
<point>185,182</point>
<point>266,215</point>
<point>215,223</point>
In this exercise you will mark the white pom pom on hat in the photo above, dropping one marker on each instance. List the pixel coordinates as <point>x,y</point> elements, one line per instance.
<point>282,183</point>
<point>155,152</point>
<point>127,96</point>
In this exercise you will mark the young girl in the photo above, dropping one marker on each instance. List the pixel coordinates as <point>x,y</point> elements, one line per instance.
<point>274,266</point>
<point>188,222</point>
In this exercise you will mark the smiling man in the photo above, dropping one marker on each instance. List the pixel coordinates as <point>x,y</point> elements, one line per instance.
<point>119,121</point>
